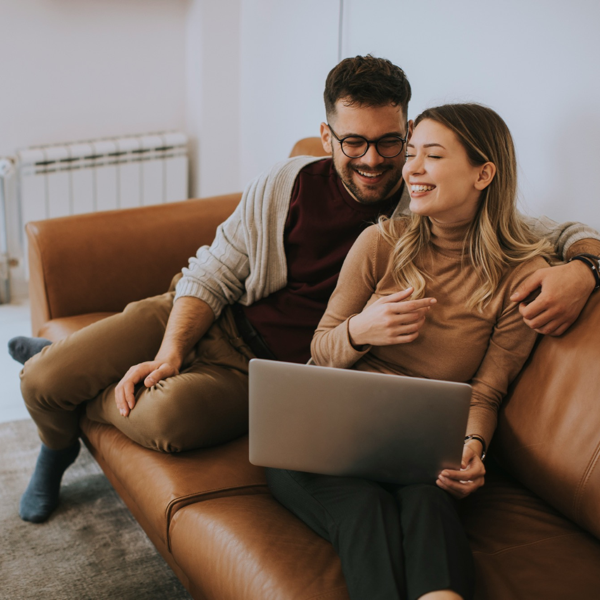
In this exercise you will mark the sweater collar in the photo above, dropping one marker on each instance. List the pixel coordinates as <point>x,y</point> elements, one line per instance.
<point>449,237</point>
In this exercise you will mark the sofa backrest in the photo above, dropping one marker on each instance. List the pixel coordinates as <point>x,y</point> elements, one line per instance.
<point>548,432</point>
<point>99,262</point>
<point>309,146</point>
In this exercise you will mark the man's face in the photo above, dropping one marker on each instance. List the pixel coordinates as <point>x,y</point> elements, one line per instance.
<point>371,177</point>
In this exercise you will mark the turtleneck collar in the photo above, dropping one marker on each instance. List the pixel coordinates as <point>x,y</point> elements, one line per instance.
<point>449,237</point>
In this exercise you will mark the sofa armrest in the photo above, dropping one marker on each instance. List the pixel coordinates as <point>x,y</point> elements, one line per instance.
<point>99,262</point>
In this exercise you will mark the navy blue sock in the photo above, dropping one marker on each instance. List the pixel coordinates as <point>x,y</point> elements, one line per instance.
<point>41,496</point>
<point>22,348</point>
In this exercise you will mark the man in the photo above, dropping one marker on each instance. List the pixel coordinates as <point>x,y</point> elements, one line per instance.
<point>259,290</point>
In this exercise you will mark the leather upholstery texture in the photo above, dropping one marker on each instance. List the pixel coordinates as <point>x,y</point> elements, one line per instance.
<point>310,146</point>
<point>56,329</point>
<point>548,434</point>
<point>525,549</point>
<point>253,548</point>
<point>99,262</point>
<point>161,484</point>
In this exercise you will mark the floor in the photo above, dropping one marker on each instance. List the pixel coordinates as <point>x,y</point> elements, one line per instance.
<point>14,320</point>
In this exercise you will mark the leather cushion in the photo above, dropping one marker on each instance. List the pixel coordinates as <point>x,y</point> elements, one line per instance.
<point>525,549</point>
<point>548,433</point>
<point>250,547</point>
<point>57,329</point>
<point>161,484</point>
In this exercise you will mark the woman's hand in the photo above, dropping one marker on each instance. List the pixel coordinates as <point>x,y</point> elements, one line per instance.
<point>470,477</point>
<point>390,320</point>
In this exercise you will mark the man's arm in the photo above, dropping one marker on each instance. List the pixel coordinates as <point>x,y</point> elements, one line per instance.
<point>190,319</point>
<point>564,289</point>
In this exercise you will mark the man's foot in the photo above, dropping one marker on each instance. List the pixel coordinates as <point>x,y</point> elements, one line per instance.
<point>22,348</point>
<point>41,496</point>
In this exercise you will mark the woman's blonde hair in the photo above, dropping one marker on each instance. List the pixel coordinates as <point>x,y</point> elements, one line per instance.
<point>497,237</point>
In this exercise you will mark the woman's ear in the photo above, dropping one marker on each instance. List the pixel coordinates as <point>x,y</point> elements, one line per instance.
<point>326,138</point>
<point>485,176</point>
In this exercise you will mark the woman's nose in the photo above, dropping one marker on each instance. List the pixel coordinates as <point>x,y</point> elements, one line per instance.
<point>413,166</point>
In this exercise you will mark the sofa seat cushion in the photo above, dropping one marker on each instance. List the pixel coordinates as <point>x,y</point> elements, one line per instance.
<point>57,329</point>
<point>250,547</point>
<point>161,484</point>
<point>524,549</point>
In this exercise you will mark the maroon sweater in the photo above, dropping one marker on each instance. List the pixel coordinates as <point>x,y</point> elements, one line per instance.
<point>322,224</point>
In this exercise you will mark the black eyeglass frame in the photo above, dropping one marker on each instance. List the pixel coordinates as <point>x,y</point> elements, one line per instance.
<point>371,142</point>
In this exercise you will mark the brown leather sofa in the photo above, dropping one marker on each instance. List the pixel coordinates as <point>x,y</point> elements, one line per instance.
<point>534,526</point>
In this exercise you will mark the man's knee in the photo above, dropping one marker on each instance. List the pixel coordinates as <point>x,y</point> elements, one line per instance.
<point>155,427</point>
<point>41,382</point>
<point>150,309</point>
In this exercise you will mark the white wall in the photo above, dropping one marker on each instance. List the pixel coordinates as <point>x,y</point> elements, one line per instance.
<point>76,69</point>
<point>534,61</point>
<point>287,50</point>
<point>213,51</point>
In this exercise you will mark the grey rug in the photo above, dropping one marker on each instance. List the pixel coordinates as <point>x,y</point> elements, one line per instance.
<point>90,548</point>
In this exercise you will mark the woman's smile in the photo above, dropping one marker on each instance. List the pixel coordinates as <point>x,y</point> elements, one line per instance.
<point>443,183</point>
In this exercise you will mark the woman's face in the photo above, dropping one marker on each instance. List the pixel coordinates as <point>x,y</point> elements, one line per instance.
<point>443,184</point>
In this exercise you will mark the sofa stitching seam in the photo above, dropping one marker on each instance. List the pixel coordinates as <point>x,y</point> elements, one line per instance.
<point>173,502</point>
<point>584,480</point>
<point>516,546</point>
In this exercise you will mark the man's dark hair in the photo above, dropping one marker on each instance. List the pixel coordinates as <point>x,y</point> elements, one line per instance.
<point>366,81</point>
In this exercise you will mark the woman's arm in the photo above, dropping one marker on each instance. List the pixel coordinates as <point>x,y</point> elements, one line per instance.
<point>510,345</point>
<point>347,329</point>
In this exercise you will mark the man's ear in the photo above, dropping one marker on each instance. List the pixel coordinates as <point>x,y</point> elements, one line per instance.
<point>326,138</point>
<point>486,175</point>
<point>411,128</point>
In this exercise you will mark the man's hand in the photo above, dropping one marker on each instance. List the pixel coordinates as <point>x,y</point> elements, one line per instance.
<point>188,322</point>
<point>470,477</point>
<point>150,372</point>
<point>564,291</point>
<point>390,320</point>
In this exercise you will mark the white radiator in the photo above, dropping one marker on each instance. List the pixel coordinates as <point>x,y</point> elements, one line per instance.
<point>104,174</point>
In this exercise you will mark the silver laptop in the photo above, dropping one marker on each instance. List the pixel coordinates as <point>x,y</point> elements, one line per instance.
<point>345,422</point>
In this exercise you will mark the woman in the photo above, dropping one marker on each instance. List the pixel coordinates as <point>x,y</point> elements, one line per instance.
<point>456,260</point>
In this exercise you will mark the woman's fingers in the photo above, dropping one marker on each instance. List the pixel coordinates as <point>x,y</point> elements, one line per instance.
<point>411,306</point>
<point>390,320</point>
<point>462,482</point>
<point>396,296</point>
<point>459,489</point>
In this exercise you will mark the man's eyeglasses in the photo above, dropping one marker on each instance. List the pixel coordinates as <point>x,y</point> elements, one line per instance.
<point>355,146</point>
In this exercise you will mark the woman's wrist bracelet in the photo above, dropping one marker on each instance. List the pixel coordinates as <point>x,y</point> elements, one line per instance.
<point>593,262</point>
<point>480,440</point>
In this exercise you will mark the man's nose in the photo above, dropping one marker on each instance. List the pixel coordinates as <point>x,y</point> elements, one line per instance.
<point>372,157</point>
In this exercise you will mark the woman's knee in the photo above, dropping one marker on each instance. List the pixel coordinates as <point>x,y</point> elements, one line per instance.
<point>373,500</point>
<point>423,497</point>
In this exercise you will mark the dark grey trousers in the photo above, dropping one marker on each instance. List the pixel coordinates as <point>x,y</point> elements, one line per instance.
<point>394,542</point>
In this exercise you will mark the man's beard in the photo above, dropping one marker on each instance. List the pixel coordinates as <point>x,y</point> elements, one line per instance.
<point>381,191</point>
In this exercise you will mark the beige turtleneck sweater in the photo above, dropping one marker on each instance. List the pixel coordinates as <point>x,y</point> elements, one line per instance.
<point>486,349</point>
